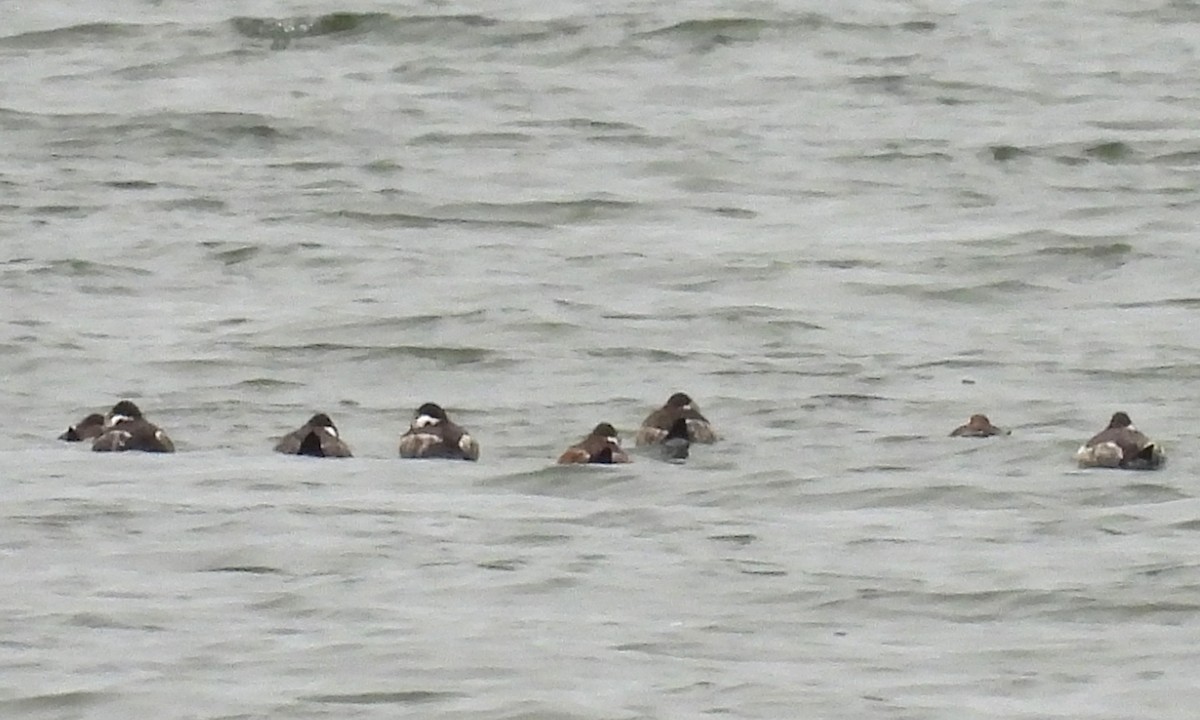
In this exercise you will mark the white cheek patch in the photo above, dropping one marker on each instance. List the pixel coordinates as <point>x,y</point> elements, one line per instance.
<point>425,421</point>
<point>115,419</point>
<point>158,435</point>
<point>613,440</point>
<point>331,430</point>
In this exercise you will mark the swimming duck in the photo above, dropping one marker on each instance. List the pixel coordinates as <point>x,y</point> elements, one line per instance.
<point>90,427</point>
<point>657,426</point>
<point>1120,445</point>
<point>433,434</point>
<point>600,446</point>
<point>676,445</point>
<point>126,429</point>
<point>316,438</point>
<point>978,426</point>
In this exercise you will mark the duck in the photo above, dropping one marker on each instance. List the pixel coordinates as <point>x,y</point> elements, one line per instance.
<point>432,434</point>
<point>600,446</point>
<point>88,428</point>
<point>1120,445</point>
<point>657,426</point>
<point>978,426</point>
<point>316,438</point>
<point>676,445</point>
<point>126,429</point>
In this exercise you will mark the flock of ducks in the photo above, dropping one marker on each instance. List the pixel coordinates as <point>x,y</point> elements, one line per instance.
<point>670,430</point>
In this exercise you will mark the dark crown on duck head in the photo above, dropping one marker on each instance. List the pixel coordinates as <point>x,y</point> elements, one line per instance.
<point>605,430</point>
<point>1120,420</point>
<point>433,410</point>
<point>126,408</point>
<point>979,420</point>
<point>679,400</point>
<point>320,420</point>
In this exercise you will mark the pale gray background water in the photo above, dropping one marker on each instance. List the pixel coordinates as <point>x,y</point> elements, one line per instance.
<point>841,230</point>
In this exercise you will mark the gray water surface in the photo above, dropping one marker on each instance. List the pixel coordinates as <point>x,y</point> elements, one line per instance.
<point>842,230</point>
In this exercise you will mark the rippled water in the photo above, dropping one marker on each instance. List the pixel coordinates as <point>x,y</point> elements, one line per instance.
<point>841,230</point>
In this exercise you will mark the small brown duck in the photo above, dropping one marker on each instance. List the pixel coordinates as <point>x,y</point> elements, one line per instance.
<point>600,446</point>
<point>126,429</point>
<point>1120,445</point>
<point>432,434</point>
<point>978,426</point>
<point>657,426</point>
<point>316,438</point>
<point>90,427</point>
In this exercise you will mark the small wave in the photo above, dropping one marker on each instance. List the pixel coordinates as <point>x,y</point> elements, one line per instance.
<point>72,35</point>
<point>75,267</point>
<point>70,700</point>
<point>445,355</point>
<point>395,697</point>
<point>416,28</point>
<point>409,220</point>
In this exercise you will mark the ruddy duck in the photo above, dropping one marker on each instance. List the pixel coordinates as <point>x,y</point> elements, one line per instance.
<point>316,438</point>
<point>600,446</point>
<point>433,434</point>
<point>90,427</point>
<point>978,426</point>
<point>657,426</point>
<point>126,429</point>
<point>1120,445</point>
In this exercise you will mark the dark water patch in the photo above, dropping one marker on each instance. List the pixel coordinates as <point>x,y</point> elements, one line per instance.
<point>205,204</point>
<point>407,220</point>
<point>544,213</point>
<point>504,564</point>
<point>267,384</point>
<point>902,156</point>
<point>1134,493</point>
<point>581,123</point>
<point>757,567</point>
<point>941,496</point>
<point>246,569</point>
<point>1109,151</point>
<point>449,356</point>
<point>472,140</point>
<point>70,211</point>
<point>1098,250</point>
<point>86,268</point>
<point>1181,158</point>
<point>636,353</point>
<point>737,539</point>
<point>1179,302</point>
<point>1006,153</point>
<point>104,622</point>
<point>399,697</point>
<point>131,184</point>
<point>706,33</point>
<point>282,31</point>
<point>958,363</point>
<point>307,165</point>
<point>73,36</point>
<point>850,399</point>
<point>71,701</point>
<point>985,293</point>
<point>237,255</point>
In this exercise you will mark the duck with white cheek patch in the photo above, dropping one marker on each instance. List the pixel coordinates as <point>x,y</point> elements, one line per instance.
<point>126,429</point>
<point>656,428</point>
<point>318,437</point>
<point>432,434</point>
<point>601,446</point>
